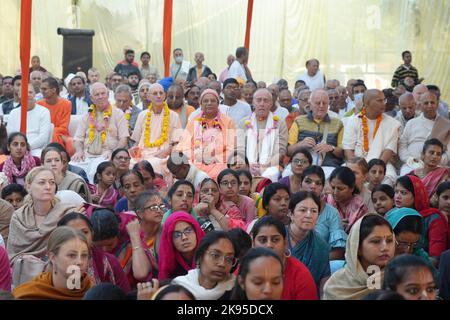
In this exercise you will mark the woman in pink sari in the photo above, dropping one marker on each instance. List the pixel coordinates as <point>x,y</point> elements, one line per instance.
<point>241,208</point>
<point>344,197</point>
<point>432,174</point>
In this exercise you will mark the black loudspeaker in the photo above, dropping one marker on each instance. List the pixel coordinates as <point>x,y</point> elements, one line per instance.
<point>77,50</point>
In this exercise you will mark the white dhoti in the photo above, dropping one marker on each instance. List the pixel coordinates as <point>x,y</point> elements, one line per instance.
<point>90,165</point>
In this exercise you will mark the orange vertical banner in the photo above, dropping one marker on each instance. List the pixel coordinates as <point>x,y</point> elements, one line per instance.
<point>167,35</point>
<point>25,45</point>
<point>249,24</point>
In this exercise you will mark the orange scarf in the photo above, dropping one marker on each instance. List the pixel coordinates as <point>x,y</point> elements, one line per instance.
<point>366,128</point>
<point>41,288</point>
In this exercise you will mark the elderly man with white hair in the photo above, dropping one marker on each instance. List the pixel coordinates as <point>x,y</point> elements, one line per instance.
<point>100,132</point>
<point>157,131</point>
<point>264,138</point>
<point>408,111</point>
<point>319,133</point>
<point>426,126</point>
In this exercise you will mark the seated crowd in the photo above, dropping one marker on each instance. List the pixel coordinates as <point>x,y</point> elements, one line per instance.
<point>222,188</point>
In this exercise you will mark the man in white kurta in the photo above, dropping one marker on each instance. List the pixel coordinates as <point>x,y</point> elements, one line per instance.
<point>156,154</point>
<point>39,125</point>
<point>264,138</point>
<point>382,143</point>
<point>420,129</point>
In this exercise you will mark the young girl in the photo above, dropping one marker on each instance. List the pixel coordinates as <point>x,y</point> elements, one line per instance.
<point>411,277</point>
<point>103,191</point>
<point>383,198</point>
<point>360,168</point>
<point>14,194</point>
<point>377,171</point>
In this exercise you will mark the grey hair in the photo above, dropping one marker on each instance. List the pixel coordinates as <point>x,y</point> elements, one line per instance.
<point>123,88</point>
<point>332,91</point>
<point>316,92</point>
<point>96,86</point>
<point>144,84</point>
<point>142,199</point>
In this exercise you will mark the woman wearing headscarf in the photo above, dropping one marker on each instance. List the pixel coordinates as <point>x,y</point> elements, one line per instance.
<point>208,140</point>
<point>370,246</point>
<point>410,192</point>
<point>179,241</point>
<point>407,224</point>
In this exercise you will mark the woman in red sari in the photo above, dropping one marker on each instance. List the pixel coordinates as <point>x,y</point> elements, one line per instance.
<point>432,174</point>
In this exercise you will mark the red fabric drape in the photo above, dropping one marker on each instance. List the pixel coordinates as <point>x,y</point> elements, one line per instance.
<point>25,44</point>
<point>167,35</point>
<point>249,24</point>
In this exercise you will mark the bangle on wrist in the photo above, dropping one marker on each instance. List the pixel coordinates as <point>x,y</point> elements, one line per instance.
<point>220,219</point>
<point>137,247</point>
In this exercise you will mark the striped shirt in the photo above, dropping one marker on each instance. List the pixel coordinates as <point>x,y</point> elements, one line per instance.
<point>402,72</point>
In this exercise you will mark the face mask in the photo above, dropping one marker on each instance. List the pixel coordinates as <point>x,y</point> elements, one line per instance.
<point>179,59</point>
<point>358,96</point>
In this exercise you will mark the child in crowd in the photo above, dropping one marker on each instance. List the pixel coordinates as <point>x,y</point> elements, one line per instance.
<point>103,191</point>
<point>377,172</point>
<point>14,194</point>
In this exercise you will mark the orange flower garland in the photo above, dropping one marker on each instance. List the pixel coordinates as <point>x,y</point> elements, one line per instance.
<point>366,128</point>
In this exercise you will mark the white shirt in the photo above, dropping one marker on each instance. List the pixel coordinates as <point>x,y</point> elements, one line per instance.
<point>239,111</point>
<point>82,106</point>
<point>386,138</point>
<point>281,112</point>
<point>38,126</point>
<point>416,132</point>
<point>315,82</point>
<point>196,176</point>
<point>237,71</point>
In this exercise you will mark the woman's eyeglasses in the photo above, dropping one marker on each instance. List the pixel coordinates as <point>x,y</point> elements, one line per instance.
<point>186,232</point>
<point>156,207</point>
<point>299,162</point>
<point>216,257</point>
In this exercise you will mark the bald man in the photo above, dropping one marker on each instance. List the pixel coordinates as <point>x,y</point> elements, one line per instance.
<point>408,111</point>
<point>264,138</point>
<point>428,125</point>
<point>313,76</point>
<point>91,152</point>
<point>319,133</point>
<point>419,90</point>
<point>382,133</point>
<point>146,132</point>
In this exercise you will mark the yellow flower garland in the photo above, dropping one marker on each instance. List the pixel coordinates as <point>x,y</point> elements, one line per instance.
<point>128,117</point>
<point>106,115</point>
<point>165,128</point>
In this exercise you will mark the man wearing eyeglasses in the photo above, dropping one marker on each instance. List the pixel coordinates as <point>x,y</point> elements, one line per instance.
<point>318,132</point>
<point>371,134</point>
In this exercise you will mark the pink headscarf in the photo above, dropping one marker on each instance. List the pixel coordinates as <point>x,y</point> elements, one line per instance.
<point>210,91</point>
<point>169,257</point>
